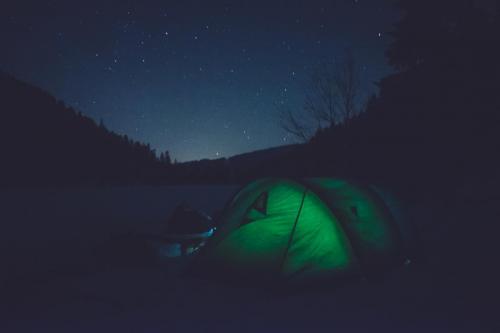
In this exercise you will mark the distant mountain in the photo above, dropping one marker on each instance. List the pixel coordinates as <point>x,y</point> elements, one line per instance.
<point>45,143</point>
<point>239,168</point>
<point>256,158</point>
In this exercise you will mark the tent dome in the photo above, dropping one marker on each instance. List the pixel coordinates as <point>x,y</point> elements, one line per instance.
<point>295,230</point>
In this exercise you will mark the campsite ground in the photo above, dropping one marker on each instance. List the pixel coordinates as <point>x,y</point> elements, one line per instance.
<point>74,261</point>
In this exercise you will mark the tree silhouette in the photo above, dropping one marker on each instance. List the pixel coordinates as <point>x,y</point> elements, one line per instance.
<point>440,32</point>
<point>437,118</point>
<point>66,148</point>
<point>166,158</point>
<point>332,97</point>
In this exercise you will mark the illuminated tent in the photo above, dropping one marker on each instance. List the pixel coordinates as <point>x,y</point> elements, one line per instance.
<point>296,230</point>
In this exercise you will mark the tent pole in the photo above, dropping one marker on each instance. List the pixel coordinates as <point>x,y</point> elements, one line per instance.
<point>292,232</point>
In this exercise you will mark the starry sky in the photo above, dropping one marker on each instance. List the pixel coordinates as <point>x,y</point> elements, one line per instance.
<point>200,79</point>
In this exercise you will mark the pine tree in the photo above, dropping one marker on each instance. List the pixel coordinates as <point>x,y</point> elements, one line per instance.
<point>439,32</point>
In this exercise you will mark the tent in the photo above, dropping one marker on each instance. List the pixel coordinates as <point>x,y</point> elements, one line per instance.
<point>287,230</point>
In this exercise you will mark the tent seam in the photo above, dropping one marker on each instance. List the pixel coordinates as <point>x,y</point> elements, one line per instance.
<point>293,230</point>
<point>344,228</point>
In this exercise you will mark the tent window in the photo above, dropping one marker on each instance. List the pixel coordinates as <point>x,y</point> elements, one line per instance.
<point>258,210</point>
<point>354,210</point>
<point>261,203</point>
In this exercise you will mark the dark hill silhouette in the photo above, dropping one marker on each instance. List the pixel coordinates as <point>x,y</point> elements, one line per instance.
<point>45,143</point>
<point>437,119</point>
<point>237,169</point>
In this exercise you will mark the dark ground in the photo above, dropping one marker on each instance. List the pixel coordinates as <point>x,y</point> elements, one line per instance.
<point>73,262</point>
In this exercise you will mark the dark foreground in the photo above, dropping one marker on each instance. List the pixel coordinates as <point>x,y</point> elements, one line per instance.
<point>73,261</point>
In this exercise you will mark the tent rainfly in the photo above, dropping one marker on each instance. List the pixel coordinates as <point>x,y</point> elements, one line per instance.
<point>285,230</point>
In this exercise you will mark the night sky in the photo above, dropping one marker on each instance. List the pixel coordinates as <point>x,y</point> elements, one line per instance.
<point>198,78</point>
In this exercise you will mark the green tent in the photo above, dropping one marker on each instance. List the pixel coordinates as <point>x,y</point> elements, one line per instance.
<point>296,230</point>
